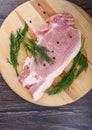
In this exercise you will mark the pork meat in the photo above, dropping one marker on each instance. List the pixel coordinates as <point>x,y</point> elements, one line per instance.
<point>63,42</point>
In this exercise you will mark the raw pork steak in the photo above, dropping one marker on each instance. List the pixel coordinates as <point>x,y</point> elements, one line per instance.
<point>64,43</point>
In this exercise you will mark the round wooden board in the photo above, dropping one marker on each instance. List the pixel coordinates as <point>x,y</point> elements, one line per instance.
<point>37,11</point>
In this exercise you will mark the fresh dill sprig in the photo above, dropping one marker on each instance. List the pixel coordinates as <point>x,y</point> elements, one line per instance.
<point>29,45</point>
<point>80,64</point>
<point>15,41</point>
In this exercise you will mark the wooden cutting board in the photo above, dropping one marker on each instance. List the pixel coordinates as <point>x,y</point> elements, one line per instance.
<point>34,13</point>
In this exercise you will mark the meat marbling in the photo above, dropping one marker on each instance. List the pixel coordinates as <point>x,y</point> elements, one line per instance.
<point>63,42</point>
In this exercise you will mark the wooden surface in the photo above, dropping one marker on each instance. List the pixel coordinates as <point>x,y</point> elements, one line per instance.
<point>17,114</point>
<point>32,11</point>
<point>20,15</point>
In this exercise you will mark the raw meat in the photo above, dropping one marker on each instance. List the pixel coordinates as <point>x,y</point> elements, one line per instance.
<point>63,42</point>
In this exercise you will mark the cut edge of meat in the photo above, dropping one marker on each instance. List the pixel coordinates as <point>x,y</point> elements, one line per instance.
<point>56,20</point>
<point>51,77</point>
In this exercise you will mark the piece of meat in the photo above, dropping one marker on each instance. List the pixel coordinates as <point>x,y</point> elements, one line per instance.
<point>63,42</point>
<point>60,19</point>
<point>64,18</point>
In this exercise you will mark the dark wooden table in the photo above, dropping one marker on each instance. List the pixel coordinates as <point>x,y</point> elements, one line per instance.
<point>18,114</point>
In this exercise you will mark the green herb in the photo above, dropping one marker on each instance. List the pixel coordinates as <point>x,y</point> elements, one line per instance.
<point>15,41</point>
<point>29,45</point>
<point>80,64</point>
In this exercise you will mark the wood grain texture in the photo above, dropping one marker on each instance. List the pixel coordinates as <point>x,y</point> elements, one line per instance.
<point>38,15</point>
<point>17,114</point>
